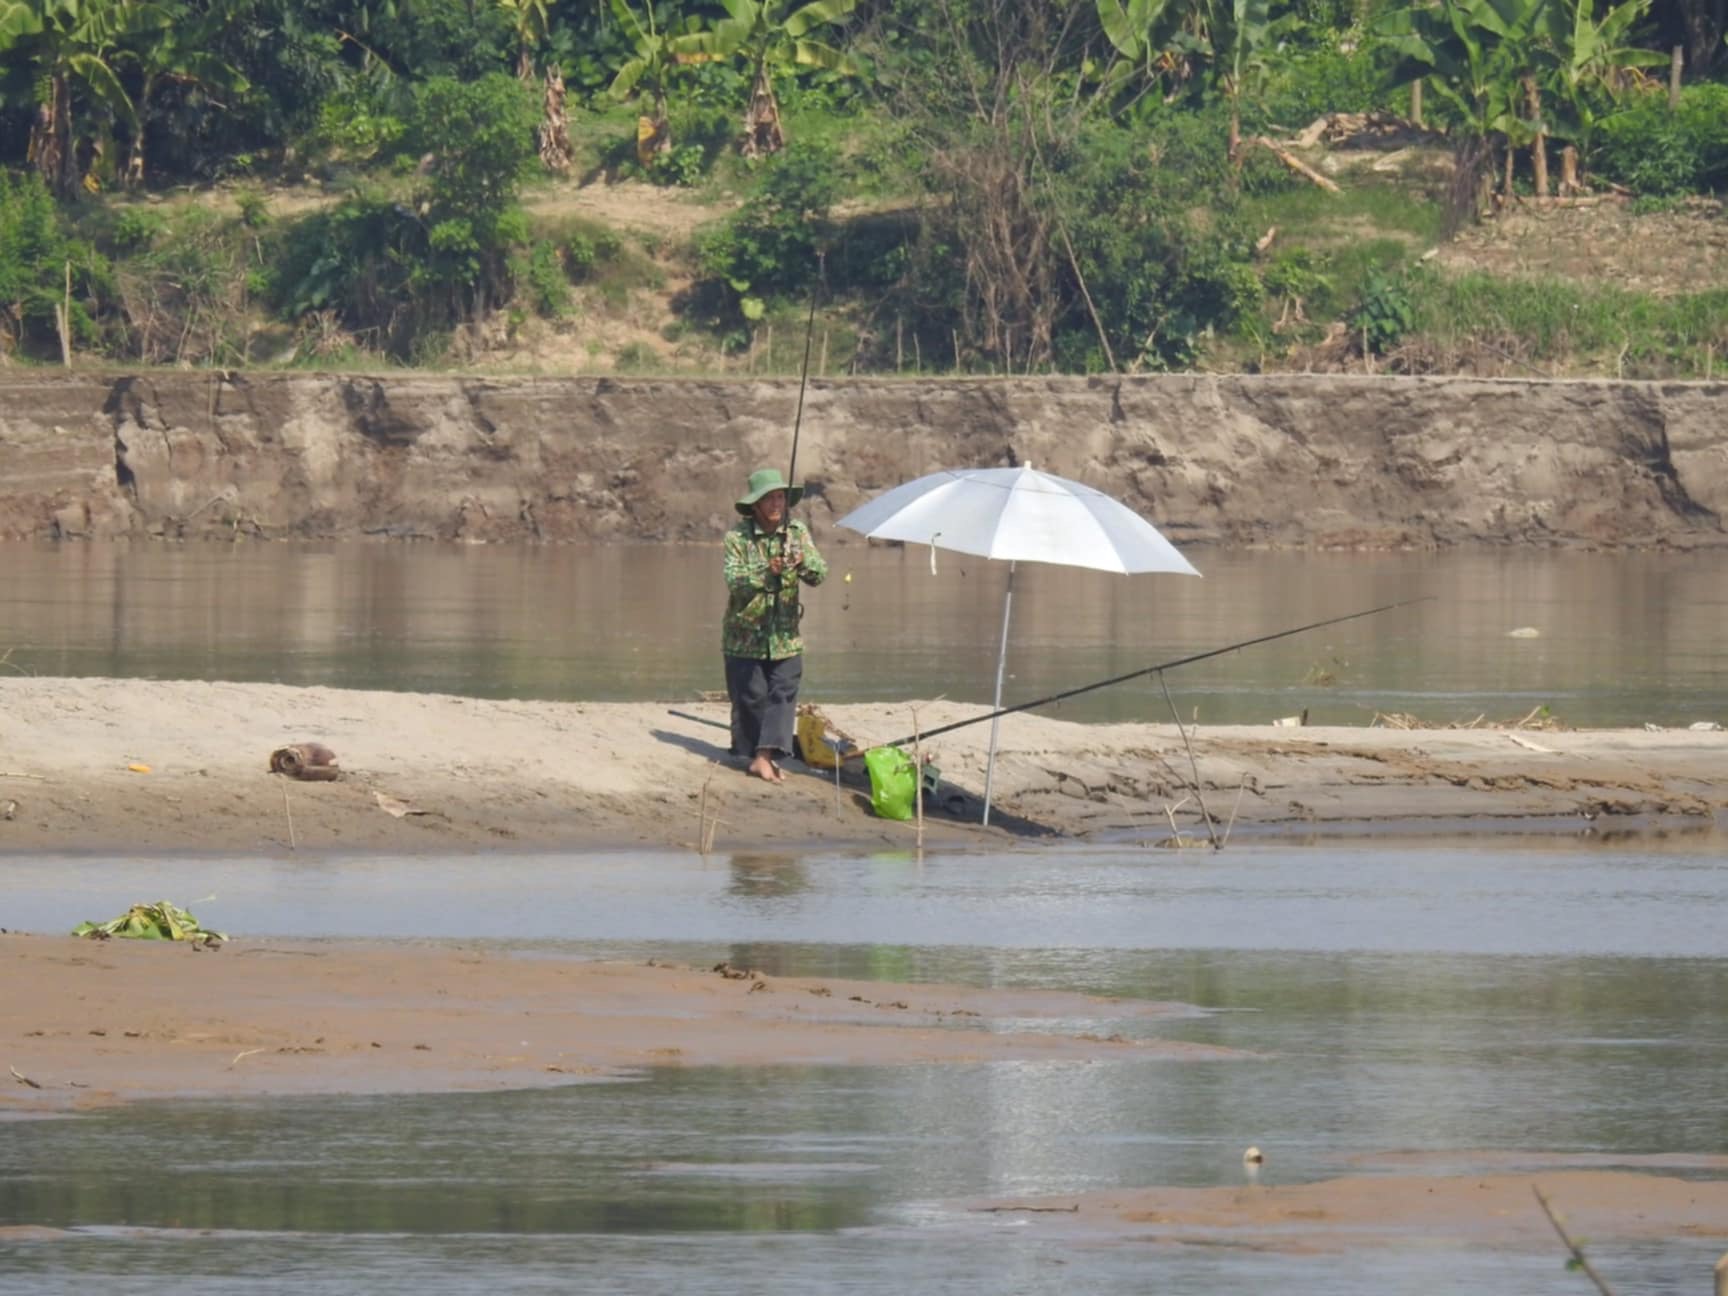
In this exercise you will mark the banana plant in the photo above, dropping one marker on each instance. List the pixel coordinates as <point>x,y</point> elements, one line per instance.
<point>1137,29</point>
<point>650,67</point>
<point>1151,39</point>
<point>1240,31</point>
<point>531,22</point>
<point>1476,55</point>
<point>1493,60</point>
<point>1596,66</point>
<point>770,41</point>
<point>67,49</point>
<point>179,50</point>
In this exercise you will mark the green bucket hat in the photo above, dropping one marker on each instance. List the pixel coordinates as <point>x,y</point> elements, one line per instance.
<point>762,482</point>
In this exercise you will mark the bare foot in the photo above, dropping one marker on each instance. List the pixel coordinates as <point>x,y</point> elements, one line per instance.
<point>764,769</point>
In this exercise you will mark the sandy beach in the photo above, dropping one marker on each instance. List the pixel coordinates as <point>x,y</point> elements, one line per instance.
<point>155,765</point>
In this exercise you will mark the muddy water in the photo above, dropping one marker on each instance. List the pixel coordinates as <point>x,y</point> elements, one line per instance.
<point>1464,1007</point>
<point>1621,640</point>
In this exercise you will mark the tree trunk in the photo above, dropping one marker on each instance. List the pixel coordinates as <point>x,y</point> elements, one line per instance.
<point>1539,145</point>
<point>135,156</point>
<point>1568,171</point>
<point>662,124</point>
<point>1416,102</point>
<point>1235,124</point>
<point>50,145</point>
<point>762,131</point>
<point>556,154</point>
<point>1705,21</point>
<point>1511,154</point>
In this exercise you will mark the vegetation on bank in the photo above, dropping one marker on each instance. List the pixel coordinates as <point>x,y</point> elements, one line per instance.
<point>972,186</point>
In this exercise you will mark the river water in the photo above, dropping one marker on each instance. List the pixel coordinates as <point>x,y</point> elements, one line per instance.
<point>1479,1003</point>
<point>1482,1004</point>
<point>1620,639</point>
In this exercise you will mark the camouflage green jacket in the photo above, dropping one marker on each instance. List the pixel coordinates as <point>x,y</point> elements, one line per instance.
<point>761,616</point>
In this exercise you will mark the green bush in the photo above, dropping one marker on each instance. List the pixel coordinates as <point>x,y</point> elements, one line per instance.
<point>254,208</point>
<point>1654,150</point>
<point>541,278</point>
<point>683,164</point>
<point>352,259</point>
<point>1153,215</point>
<point>37,253</point>
<point>1339,75</point>
<point>136,228</point>
<point>396,269</point>
<point>769,247</point>
<point>183,300</point>
<point>355,126</point>
<point>1386,312</point>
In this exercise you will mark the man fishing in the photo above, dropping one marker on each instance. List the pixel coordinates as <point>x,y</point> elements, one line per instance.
<point>767,554</point>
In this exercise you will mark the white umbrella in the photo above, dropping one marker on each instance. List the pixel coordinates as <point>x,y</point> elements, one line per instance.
<point>1020,515</point>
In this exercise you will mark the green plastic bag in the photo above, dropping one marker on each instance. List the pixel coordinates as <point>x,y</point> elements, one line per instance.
<point>893,782</point>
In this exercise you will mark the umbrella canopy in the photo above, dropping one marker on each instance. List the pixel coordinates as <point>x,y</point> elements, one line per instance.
<point>1018,515</point>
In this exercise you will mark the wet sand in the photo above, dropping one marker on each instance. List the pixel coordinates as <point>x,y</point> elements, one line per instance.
<point>156,765</point>
<point>1393,1210</point>
<point>91,1023</point>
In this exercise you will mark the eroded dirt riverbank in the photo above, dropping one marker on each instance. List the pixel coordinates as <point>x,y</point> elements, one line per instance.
<point>1280,460</point>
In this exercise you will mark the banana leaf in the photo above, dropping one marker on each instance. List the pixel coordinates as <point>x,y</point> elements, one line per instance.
<point>159,921</point>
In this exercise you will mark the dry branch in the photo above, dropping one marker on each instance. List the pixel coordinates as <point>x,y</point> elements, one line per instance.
<point>1296,164</point>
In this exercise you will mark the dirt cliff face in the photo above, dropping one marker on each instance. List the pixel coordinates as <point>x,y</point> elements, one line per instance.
<point>1286,460</point>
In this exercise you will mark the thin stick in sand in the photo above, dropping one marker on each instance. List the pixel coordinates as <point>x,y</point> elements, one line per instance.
<point>1240,789</point>
<point>1193,764</point>
<point>706,827</point>
<point>289,811</point>
<point>1579,1259</point>
<point>702,817</point>
<point>918,780</point>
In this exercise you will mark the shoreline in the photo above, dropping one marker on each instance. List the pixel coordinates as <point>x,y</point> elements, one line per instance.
<point>101,765</point>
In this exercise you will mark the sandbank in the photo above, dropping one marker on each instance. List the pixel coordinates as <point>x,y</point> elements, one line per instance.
<point>149,765</point>
<point>91,1023</point>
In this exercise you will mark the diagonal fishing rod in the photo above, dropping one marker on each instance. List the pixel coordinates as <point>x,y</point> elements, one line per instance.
<point>1147,670</point>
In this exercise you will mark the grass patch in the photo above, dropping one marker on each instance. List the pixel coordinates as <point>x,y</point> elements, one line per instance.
<point>1312,216</point>
<point>1551,325</point>
<point>595,254</point>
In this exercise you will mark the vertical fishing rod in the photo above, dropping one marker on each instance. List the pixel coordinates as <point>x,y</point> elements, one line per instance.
<point>797,426</point>
<point>804,375</point>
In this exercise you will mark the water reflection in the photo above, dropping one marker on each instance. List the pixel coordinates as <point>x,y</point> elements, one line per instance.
<point>1623,639</point>
<point>758,876</point>
<point>1353,1055</point>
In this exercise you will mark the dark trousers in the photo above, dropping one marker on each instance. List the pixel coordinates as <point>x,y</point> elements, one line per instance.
<point>764,703</point>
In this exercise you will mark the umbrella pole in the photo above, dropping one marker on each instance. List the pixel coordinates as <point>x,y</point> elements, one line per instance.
<point>1001,664</point>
